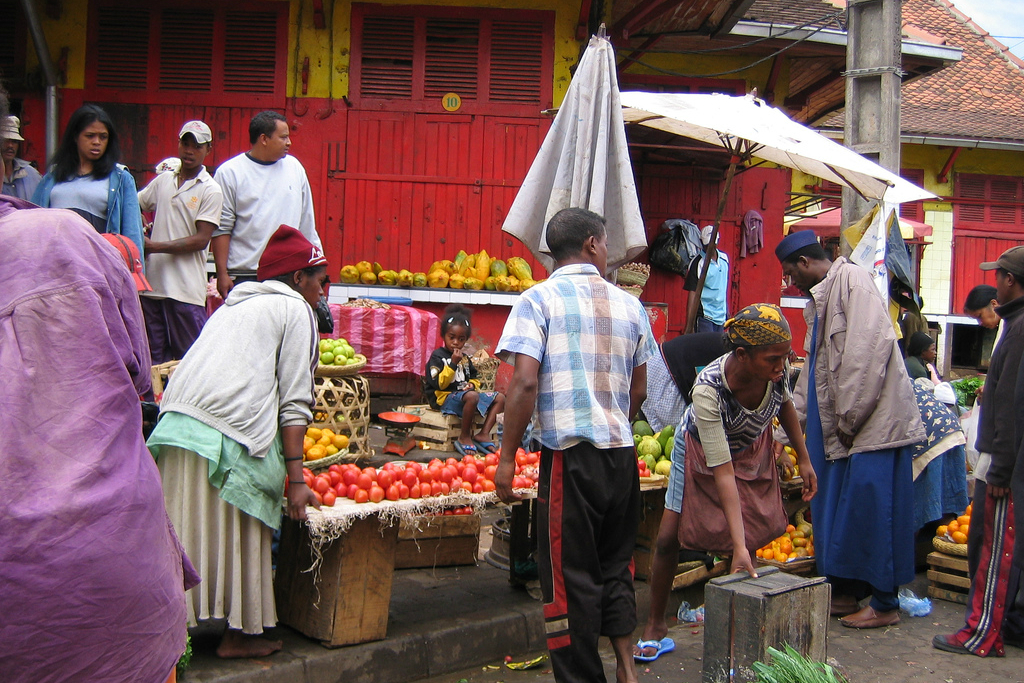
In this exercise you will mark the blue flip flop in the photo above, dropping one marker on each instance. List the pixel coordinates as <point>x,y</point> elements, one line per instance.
<point>464,449</point>
<point>487,446</point>
<point>662,646</point>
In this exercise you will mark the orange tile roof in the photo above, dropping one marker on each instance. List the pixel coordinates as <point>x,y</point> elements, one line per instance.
<point>979,98</point>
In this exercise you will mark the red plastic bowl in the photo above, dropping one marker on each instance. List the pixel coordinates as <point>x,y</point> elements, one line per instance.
<point>398,418</point>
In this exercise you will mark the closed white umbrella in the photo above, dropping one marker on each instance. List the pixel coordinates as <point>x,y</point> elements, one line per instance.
<point>583,163</point>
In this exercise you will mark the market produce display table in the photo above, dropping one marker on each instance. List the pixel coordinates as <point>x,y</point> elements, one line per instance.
<point>394,340</point>
<point>334,572</point>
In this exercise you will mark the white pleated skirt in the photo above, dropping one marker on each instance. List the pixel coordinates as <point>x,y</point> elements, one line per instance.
<point>230,549</point>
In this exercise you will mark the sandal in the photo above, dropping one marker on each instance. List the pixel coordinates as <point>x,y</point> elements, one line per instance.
<point>464,449</point>
<point>660,647</point>
<point>487,446</point>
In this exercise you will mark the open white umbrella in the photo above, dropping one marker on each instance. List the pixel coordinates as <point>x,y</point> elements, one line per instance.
<point>748,127</point>
<point>583,163</point>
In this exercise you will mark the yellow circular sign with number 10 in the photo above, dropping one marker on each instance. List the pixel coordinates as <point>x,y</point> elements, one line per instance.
<point>451,101</point>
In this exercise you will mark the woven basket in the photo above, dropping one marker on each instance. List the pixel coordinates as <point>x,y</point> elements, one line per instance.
<point>632,290</point>
<point>341,370</point>
<point>323,463</point>
<point>944,546</point>
<point>804,566</point>
<point>343,405</point>
<point>630,277</point>
<point>486,371</point>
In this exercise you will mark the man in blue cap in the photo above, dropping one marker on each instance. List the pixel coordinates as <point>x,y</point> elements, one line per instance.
<point>861,420</point>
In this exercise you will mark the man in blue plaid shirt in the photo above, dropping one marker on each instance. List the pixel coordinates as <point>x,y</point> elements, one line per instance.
<point>580,346</point>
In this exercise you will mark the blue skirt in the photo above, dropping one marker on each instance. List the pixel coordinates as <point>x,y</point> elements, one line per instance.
<point>863,514</point>
<point>453,403</point>
<point>941,488</point>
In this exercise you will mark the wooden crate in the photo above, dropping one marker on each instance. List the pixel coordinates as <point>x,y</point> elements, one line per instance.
<point>652,507</point>
<point>343,405</point>
<point>947,577</point>
<point>744,616</point>
<point>438,430</point>
<point>438,541</point>
<point>347,601</point>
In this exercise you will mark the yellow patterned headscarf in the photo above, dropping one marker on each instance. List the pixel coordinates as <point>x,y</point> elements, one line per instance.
<point>758,325</point>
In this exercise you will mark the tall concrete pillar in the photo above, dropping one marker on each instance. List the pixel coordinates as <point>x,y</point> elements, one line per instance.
<point>873,77</point>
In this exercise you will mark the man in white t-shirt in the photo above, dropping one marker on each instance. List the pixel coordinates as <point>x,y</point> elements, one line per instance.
<point>264,189</point>
<point>188,208</point>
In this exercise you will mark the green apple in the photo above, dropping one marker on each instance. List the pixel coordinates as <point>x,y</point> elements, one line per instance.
<point>326,357</point>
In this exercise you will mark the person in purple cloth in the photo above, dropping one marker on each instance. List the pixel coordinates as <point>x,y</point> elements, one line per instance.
<point>92,577</point>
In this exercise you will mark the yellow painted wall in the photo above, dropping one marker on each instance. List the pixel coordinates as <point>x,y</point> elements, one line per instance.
<point>69,31</point>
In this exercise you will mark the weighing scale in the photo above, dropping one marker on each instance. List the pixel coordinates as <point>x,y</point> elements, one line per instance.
<point>398,428</point>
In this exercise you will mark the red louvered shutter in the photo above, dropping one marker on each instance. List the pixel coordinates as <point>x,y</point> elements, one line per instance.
<point>516,61</point>
<point>181,67</point>
<point>387,57</point>
<point>834,195</point>
<point>451,60</point>
<point>1003,190</point>
<point>913,210</point>
<point>122,47</point>
<point>249,52</point>
<point>970,187</point>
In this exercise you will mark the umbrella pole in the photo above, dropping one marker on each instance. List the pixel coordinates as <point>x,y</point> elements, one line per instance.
<point>691,311</point>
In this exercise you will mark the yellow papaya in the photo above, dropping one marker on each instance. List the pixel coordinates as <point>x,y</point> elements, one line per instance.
<point>490,283</point>
<point>498,268</point>
<point>519,268</point>
<point>349,274</point>
<point>473,283</point>
<point>364,266</point>
<point>513,284</point>
<point>419,279</point>
<point>456,281</point>
<point>450,267</point>
<point>367,277</point>
<point>526,284</point>
<point>377,268</point>
<point>483,265</point>
<point>460,257</point>
<point>438,279</point>
<point>404,278</point>
<point>387,277</point>
<point>501,283</point>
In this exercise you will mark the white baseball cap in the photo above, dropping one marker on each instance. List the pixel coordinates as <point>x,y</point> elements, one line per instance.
<point>199,130</point>
<point>705,234</point>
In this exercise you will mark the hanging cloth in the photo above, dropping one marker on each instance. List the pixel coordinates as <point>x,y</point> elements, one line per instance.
<point>753,234</point>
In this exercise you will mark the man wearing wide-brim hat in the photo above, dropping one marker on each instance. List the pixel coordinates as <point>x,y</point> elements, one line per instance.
<point>19,178</point>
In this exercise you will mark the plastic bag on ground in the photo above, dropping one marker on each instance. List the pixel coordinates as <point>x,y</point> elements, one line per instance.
<point>913,605</point>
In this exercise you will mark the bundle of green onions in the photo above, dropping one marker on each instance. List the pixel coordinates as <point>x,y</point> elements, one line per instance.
<point>790,666</point>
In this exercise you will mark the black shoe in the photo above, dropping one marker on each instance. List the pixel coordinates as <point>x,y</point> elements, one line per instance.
<point>945,644</point>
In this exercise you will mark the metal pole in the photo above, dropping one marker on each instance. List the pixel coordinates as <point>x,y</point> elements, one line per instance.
<point>49,72</point>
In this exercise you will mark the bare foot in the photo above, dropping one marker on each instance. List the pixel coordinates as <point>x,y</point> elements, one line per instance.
<point>238,645</point>
<point>625,668</point>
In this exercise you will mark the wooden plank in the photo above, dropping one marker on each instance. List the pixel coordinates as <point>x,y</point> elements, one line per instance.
<point>439,526</point>
<point>937,559</point>
<point>949,579</point>
<point>947,595</point>
<point>437,552</point>
<point>698,574</point>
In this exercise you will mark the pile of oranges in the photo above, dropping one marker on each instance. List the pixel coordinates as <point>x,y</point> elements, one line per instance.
<point>796,544</point>
<point>320,443</point>
<point>957,529</point>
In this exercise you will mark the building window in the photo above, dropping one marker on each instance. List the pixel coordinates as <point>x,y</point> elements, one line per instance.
<point>419,54</point>
<point>163,50</point>
<point>988,203</point>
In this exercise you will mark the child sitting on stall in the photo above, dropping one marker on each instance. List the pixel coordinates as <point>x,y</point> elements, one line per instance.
<point>454,387</point>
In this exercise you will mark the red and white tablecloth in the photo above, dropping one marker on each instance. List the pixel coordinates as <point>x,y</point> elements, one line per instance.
<point>394,340</point>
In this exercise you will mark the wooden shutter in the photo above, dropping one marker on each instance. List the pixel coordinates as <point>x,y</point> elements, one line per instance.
<point>970,187</point>
<point>1004,190</point>
<point>451,62</point>
<point>186,49</point>
<point>122,47</point>
<point>913,210</point>
<point>249,51</point>
<point>516,61</point>
<point>387,57</point>
<point>834,192</point>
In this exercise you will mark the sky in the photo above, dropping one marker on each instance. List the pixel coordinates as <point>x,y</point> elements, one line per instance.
<point>1003,19</point>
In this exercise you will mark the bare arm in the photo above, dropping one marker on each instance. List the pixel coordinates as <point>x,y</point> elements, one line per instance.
<point>185,245</point>
<point>790,422</point>
<point>299,495</point>
<point>219,245</point>
<point>729,496</point>
<point>637,389</point>
<point>519,406</point>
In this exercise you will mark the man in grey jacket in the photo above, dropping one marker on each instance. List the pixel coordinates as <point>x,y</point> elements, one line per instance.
<point>861,418</point>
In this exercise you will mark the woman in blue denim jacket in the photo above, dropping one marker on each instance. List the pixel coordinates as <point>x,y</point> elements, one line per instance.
<point>85,177</point>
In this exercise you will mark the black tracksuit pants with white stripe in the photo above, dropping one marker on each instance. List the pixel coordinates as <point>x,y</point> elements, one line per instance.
<point>588,511</point>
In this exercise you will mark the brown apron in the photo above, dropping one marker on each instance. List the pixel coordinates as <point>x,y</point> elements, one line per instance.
<point>702,524</point>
